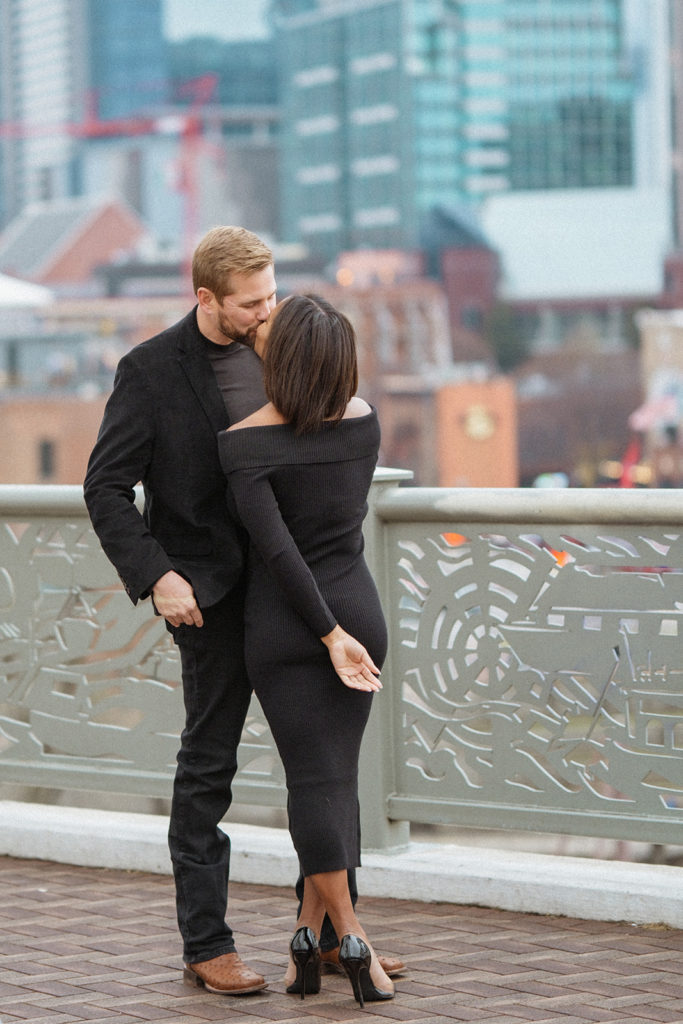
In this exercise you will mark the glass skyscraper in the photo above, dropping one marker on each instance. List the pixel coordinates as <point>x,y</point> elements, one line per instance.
<point>62,63</point>
<point>127,70</point>
<point>395,107</point>
<point>570,91</point>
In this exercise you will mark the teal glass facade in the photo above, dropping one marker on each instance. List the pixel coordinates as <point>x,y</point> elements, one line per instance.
<point>127,73</point>
<point>347,172</point>
<point>571,92</point>
<point>394,107</point>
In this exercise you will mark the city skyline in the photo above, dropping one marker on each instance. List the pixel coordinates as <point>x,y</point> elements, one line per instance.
<point>485,167</point>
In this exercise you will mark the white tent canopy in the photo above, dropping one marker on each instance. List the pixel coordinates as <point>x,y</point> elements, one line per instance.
<point>17,294</point>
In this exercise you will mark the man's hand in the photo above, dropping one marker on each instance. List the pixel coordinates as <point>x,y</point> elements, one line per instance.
<point>174,599</point>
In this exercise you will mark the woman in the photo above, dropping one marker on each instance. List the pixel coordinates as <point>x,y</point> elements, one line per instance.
<point>299,471</point>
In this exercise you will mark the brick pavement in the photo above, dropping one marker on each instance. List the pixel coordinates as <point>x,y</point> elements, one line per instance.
<point>96,945</point>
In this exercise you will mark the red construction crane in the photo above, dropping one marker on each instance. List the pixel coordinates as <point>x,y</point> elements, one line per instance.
<point>186,122</point>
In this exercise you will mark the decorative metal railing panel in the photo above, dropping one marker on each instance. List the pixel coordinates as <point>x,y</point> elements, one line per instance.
<point>540,668</point>
<point>534,678</point>
<point>90,692</point>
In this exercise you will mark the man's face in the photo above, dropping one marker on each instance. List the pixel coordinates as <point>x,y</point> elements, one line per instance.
<point>236,318</point>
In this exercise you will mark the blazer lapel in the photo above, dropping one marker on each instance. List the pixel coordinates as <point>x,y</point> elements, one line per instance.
<point>200,375</point>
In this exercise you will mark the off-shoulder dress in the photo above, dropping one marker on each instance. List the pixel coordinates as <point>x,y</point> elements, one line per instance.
<point>303,500</point>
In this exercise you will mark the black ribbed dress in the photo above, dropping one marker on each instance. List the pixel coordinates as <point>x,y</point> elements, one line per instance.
<point>303,500</point>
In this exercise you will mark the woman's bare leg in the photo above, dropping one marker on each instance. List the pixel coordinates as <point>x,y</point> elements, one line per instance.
<point>329,892</point>
<point>332,888</point>
<point>311,916</point>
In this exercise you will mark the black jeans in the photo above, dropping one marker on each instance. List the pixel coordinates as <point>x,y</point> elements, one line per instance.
<point>217,694</point>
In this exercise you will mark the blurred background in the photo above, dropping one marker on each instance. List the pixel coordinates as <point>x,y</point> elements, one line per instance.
<point>490,189</point>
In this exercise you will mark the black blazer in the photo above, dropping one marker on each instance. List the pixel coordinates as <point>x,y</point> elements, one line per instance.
<point>159,428</point>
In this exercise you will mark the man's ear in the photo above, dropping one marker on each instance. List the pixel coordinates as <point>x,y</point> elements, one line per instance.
<point>206,299</point>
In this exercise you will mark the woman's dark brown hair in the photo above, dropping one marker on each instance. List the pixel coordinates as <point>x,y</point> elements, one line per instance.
<point>310,366</point>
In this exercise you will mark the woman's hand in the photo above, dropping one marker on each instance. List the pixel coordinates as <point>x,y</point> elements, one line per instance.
<point>351,661</point>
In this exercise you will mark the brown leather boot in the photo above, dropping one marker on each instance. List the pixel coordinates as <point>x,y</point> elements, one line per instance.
<point>227,975</point>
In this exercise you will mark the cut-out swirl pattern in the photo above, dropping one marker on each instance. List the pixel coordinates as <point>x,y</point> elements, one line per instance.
<point>533,671</point>
<point>89,684</point>
<point>541,670</point>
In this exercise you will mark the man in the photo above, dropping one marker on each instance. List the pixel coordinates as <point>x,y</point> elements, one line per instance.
<point>172,395</point>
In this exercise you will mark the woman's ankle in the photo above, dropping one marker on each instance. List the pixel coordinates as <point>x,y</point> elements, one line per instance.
<point>378,975</point>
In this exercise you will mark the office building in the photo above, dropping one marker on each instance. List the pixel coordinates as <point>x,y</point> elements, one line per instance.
<point>94,101</point>
<point>66,67</point>
<point>369,98</point>
<point>395,107</point>
<point>43,83</point>
<point>126,56</point>
<point>571,83</point>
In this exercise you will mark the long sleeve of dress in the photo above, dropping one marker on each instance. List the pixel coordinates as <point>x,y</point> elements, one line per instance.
<point>260,514</point>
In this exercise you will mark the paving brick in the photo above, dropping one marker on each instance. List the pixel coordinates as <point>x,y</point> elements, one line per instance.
<point>101,947</point>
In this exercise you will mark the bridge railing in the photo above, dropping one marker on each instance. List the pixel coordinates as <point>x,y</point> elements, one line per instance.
<point>534,677</point>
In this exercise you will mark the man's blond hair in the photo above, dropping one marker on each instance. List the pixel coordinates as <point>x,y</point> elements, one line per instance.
<point>224,251</point>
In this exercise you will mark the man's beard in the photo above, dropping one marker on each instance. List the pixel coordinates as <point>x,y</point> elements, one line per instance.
<point>228,330</point>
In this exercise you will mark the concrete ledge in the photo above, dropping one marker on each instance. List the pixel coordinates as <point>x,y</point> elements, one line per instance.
<point>586,888</point>
<point>133,842</point>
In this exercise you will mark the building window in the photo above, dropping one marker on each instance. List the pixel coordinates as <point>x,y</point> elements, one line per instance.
<point>317,125</point>
<point>318,175</point>
<point>45,183</point>
<point>378,114</point>
<point>319,222</point>
<point>373,62</point>
<point>46,459</point>
<point>386,163</point>
<point>380,216</point>
<point>321,75</point>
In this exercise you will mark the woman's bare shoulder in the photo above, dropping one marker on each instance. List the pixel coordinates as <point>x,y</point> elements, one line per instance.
<point>357,407</point>
<point>266,416</point>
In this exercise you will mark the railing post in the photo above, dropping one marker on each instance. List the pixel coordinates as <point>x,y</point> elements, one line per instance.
<point>377,768</point>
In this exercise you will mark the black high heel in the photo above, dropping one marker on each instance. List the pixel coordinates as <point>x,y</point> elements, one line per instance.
<point>355,957</point>
<point>305,953</point>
